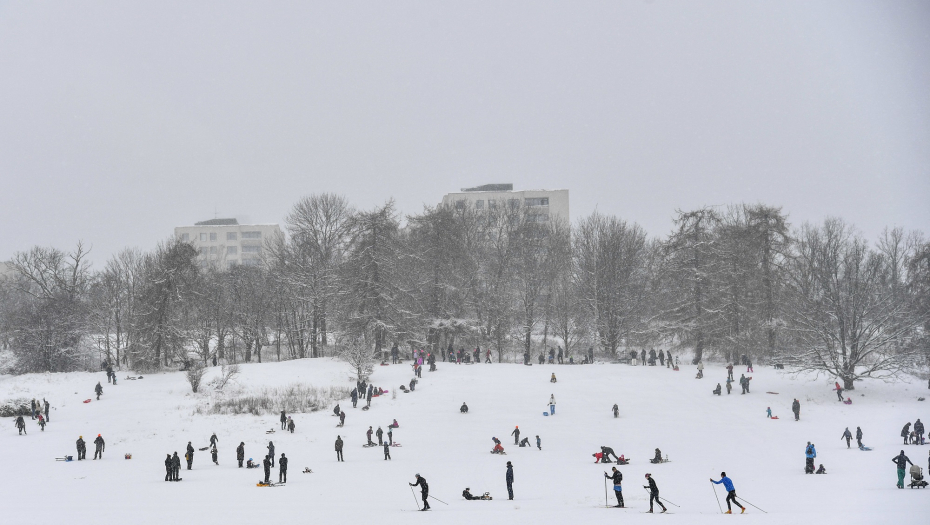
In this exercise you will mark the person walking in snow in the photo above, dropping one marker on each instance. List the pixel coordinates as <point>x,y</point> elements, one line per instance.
<point>41,423</point>
<point>509,478</point>
<point>32,410</point>
<point>271,452</point>
<point>342,419</point>
<point>901,461</point>
<point>266,463</point>
<point>99,447</point>
<point>516,435</point>
<point>731,492</point>
<point>169,468</point>
<point>552,404</point>
<point>560,355</point>
<point>859,437</point>
<point>21,425</point>
<point>379,433</point>
<point>290,422</point>
<point>354,397</point>
<point>283,420</point>
<point>839,391</point>
<point>730,371</point>
<point>653,493</point>
<point>809,454</point>
<point>368,435</point>
<point>240,453</point>
<point>189,455</point>
<point>796,408</point>
<point>919,430</point>
<point>617,478</point>
<point>743,384</point>
<point>847,435</point>
<point>424,491</point>
<point>213,455</point>
<point>906,432</point>
<point>616,411</point>
<point>538,443</point>
<point>339,448</point>
<point>213,440</point>
<point>47,418</point>
<point>729,386</point>
<point>387,451</point>
<point>99,390</point>
<point>81,448</point>
<point>700,369</point>
<point>368,396</point>
<point>282,469</point>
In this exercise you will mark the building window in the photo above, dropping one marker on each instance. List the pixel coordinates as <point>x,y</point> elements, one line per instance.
<point>184,237</point>
<point>251,235</point>
<point>537,201</point>
<point>251,249</point>
<point>203,237</point>
<point>514,203</point>
<point>213,250</point>
<point>537,217</point>
<point>479,205</point>
<point>492,204</point>
<point>460,205</point>
<point>212,237</point>
<point>250,262</point>
<point>232,250</point>
<point>232,236</point>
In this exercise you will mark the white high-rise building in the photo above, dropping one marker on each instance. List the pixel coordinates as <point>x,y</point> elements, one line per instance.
<point>543,204</point>
<point>226,243</point>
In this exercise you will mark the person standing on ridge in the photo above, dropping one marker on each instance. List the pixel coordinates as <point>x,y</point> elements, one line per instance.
<point>617,478</point>
<point>731,492</point>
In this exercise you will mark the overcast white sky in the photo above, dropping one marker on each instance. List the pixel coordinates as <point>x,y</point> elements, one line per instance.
<point>121,120</point>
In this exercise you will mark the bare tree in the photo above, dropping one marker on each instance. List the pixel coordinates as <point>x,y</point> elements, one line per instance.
<point>194,375</point>
<point>359,356</point>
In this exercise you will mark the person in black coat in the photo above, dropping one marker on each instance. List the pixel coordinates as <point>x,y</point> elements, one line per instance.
<point>509,478</point>
<point>717,390</point>
<point>339,448</point>
<point>906,432</point>
<point>283,420</point>
<point>901,461</point>
<point>653,493</point>
<point>464,408</point>
<point>99,390</point>
<point>859,437</point>
<point>271,452</point>
<point>213,440</point>
<point>169,467</point>
<point>99,447</point>
<point>516,435</point>
<point>213,454</point>
<point>380,433</point>
<point>21,425</point>
<point>282,469</point>
<point>266,463</point>
<point>847,435</point>
<point>617,478</point>
<point>424,490</point>
<point>387,451</point>
<point>606,453</point>
<point>189,455</point>
<point>919,430</point>
<point>796,408</point>
<point>240,453</point>
<point>354,397</point>
<point>176,467</point>
<point>81,448</point>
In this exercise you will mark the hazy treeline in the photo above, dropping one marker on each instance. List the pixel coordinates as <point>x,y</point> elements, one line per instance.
<point>726,282</point>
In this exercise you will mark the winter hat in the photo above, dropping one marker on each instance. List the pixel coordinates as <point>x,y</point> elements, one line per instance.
<point>508,464</point>
<point>98,435</point>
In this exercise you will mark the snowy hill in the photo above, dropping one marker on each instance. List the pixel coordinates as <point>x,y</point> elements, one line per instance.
<point>702,434</point>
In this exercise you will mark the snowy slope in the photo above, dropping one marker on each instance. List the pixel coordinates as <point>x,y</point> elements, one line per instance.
<point>701,433</point>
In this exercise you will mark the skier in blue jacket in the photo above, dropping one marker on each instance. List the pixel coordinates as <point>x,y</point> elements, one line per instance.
<point>731,492</point>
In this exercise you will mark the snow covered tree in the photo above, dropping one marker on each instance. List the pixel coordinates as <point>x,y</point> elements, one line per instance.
<point>359,356</point>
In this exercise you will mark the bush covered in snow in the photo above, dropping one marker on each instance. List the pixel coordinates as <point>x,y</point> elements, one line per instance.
<point>294,398</point>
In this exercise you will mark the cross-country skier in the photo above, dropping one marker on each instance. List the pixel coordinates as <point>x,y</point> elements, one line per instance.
<point>387,450</point>
<point>99,447</point>
<point>617,478</point>
<point>847,435</point>
<point>509,478</point>
<point>81,448</point>
<point>796,408</point>
<point>859,437</point>
<point>809,453</point>
<point>516,435</point>
<point>424,490</point>
<point>616,410</point>
<point>653,493</point>
<point>271,452</point>
<point>282,469</point>
<point>189,456</point>
<point>240,453</point>
<point>99,390</point>
<point>731,492</point>
<point>901,461</point>
<point>339,448</point>
<point>21,425</point>
<point>266,463</point>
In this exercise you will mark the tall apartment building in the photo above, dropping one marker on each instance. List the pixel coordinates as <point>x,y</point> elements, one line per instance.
<point>226,243</point>
<point>543,204</point>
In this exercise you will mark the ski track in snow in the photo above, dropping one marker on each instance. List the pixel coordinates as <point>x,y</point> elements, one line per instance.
<point>702,434</point>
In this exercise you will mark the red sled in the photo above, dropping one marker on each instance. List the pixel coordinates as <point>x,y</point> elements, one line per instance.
<point>87,400</point>
<point>774,417</point>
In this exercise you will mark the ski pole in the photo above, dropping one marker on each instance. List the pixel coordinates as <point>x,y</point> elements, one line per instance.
<point>744,499</point>
<point>439,500</point>
<point>605,490</point>
<point>661,498</point>
<point>414,494</point>
<point>716,497</point>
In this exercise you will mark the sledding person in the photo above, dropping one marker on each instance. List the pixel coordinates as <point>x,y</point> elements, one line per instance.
<point>342,419</point>
<point>859,436</point>
<point>380,433</point>
<point>901,461</point>
<point>509,479</point>
<point>368,435</point>
<point>809,454</point>
<point>339,448</point>
<point>552,404</point>
<point>240,453</point>
<point>525,442</point>
<point>464,408</point>
<point>169,468</point>
<point>81,448</point>
<point>424,491</point>
<point>607,452</point>
<point>394,424</point>
<point>337,410</point>
<point>21,425</point>
<point>266,463</point>
<point>731,492</point>
<point>847,435</point>
<point>387,451</point>
<point>616,410</point>
<point>282,469</point>
<point>271,452</point>
<point>99,390</point>
<point>516,435</point>
<point>905,432</point>
<point>768,412</point>
<point>553,379</point>
<point>175,467</point>
<point>354,397</point>
<point>717,390</point>
<point>290,422</point>
<point>41,423</point>
<point>796,408</point>
<point>189,456</point>
<point>821,470</point>
<point>653,493</point>
<point>498,448</point>
<point>617,478</point>
<point>657,458</point>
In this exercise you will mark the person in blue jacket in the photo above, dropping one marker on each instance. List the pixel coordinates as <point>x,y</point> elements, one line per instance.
<point>731,492</point>
<point>810,453</point>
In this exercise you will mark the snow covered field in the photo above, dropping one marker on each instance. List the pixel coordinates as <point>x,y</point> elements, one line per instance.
<point>701,433</point>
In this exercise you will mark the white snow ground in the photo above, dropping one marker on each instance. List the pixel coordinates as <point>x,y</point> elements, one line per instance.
<point>701,433</point>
